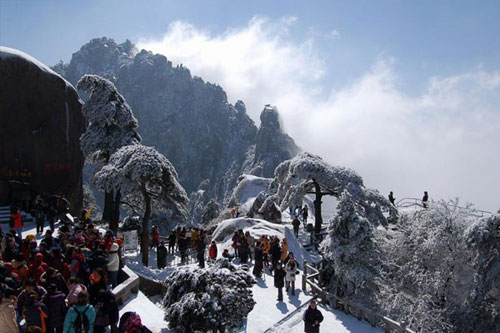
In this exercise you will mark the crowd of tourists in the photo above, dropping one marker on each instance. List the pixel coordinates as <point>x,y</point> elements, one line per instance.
<point>62,280</point>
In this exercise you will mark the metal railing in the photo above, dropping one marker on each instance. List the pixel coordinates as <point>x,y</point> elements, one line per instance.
<point>414,202</point>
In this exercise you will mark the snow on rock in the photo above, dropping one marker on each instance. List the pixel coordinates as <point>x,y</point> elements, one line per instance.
<point>226,229</point>
<point>247,189</point>
<point>7,52</point>
<point>151,314</point>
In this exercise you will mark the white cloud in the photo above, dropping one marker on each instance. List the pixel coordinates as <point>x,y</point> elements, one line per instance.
<point>444,141</point>
<point>333,34</point>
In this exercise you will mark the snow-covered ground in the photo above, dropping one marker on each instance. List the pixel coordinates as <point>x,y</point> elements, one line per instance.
<point>151,314</point>
<point>267,311</point>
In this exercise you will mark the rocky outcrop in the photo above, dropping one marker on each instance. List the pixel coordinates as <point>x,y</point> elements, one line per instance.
<point>40,128</point>
<point>190,121</point>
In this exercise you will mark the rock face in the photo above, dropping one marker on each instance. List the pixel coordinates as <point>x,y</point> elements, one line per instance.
<point>209,141</point>
<point>40,128</point>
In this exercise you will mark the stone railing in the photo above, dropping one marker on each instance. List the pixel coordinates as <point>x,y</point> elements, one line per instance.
<point>124,290</point>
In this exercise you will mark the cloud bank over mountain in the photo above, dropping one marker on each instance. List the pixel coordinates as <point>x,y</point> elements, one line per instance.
<point>443,139</point>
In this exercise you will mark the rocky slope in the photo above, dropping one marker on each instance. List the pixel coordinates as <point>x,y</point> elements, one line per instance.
<point>209,141</point>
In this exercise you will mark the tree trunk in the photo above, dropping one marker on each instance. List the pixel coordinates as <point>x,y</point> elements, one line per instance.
<point>107,212</point>
<point>145,226</point>
<point>317,208</point>
<point>113,223</point>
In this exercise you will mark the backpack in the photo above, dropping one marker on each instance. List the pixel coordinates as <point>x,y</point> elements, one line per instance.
<point>81,323</point>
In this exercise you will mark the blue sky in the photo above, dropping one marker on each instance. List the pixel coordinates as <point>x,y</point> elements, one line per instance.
<point>407,93</point>
<point>427,37</point>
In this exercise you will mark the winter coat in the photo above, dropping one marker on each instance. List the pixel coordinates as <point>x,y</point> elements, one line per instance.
<point>275,252</point>
<point>171,240</point>
<point>284,250</point>
<point>161,256</point>
<point>37,268</point>
<point>36,314</point>
<point>59,264</point>
<point>259,261</point>
<point>296,224</point>
<point>73,293</point>
<point>98,259</point>
<point>72,315</point>
<point>267,246</point>
<point>23,296</point>
<point>212,252</point>
<point>56,305</point>
<point>18,220</point>
<point>22,271</point>
<point>291,270</point>
<point>279,278</point>
<point>310,317</point>
<point>235,239</point>
<point>58,280</point>
<point>94,288</point>
<point>113,259</point>
<point>106,309</point>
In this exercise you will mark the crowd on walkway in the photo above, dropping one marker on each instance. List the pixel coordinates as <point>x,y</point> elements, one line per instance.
<point>63,282</point>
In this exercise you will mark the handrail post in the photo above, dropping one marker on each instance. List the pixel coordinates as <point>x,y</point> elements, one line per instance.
<point>402,326</point>
<point>323,296</point>
<point>346,304</point>
<point>304,276</point>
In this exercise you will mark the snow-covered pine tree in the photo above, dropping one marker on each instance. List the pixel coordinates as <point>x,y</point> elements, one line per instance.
<point>144,176</point>
<point>208,299</point>
<point>110,126</point>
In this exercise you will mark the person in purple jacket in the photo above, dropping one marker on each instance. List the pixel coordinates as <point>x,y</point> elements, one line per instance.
<point>55,301</point>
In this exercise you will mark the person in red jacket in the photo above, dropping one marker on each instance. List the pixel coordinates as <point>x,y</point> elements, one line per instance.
<point>212,252</point>
<point>155,237</point>
<point>37,268</point>
<point>17,226</point>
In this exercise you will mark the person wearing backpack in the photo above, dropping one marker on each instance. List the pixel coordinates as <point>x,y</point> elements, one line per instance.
<point>81,317</point>
<point>107,312</point>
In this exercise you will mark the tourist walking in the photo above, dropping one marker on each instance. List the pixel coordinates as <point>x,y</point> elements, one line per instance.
<point>312,318</point>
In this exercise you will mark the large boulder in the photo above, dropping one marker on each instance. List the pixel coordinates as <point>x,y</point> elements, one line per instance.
<point>40,127</point>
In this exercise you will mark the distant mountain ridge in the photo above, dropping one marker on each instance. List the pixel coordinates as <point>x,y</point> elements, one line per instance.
<point>209,141</point>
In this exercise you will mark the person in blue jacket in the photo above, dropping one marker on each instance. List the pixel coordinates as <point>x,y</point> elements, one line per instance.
<point>83,307</point>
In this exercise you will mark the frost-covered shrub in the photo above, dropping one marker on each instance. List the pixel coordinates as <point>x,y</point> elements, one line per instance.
<point>204,299</point>
<point>441,270</point>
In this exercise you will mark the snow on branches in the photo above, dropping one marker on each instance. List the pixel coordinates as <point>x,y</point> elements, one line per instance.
<point>111,123</point>
<point>137,168</point>
<point>205,299</point>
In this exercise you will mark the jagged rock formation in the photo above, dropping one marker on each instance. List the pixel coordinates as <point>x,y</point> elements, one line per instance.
<point>40,127</point>
<point>190,121</point>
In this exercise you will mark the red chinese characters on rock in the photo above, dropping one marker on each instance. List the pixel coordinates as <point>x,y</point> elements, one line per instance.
<point>56,167</point>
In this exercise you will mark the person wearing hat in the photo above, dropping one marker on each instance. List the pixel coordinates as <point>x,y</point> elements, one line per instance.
<point>312,318</point>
